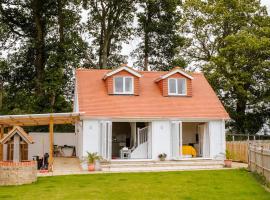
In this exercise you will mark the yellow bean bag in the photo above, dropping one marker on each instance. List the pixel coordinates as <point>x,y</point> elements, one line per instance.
<point>189,150</point>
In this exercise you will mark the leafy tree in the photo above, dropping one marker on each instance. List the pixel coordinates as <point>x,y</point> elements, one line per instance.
<point>230,40</point>
<point>158,28</point>
<point>242,71</point>
<point>207,23</point>
<point>45,41</point>
<point>109,25</point>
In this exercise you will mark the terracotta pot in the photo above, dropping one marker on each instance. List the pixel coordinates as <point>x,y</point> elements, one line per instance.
<point>228,163</point>
<point>91,167</point>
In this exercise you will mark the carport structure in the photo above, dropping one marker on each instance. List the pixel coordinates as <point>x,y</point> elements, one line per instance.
<point>49,119</point>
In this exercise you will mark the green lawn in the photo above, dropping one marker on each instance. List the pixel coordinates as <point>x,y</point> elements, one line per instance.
<point>221,184</point>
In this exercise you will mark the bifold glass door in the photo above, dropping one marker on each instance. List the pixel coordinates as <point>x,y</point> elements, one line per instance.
<point>106,140</point>
<point>176,139</point>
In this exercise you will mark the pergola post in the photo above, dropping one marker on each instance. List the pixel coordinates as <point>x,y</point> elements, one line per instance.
<point>51,144</point>
<point>1,146</point>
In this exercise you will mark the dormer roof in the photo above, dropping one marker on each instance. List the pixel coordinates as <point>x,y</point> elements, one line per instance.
<point>174,71</point>
<point>119,69</point>
<point>17,130</point>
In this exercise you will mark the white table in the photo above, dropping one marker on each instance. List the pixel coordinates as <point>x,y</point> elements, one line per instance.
<point>125,153</point>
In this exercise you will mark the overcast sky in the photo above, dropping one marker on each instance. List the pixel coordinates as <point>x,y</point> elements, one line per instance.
<point>267,3</point>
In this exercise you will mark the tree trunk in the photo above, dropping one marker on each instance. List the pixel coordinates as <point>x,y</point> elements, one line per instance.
<point>60,23</point>
<point>104,52</point>
<point>146,39</point>
<point>146,49</point>
<point>240,115</point>
<point>1,92</point>
<point>39,46</point>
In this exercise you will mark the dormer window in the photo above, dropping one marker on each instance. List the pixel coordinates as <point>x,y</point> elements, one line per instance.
<point>177,86</point>
<point>123,85</point>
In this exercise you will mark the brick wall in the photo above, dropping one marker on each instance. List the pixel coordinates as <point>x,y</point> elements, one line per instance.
<point>18,173</point>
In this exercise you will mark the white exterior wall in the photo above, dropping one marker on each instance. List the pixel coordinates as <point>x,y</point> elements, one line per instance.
<point>79,135</point>
<point>41,142</point>
<point>161,139</point>
<point>91,136</point>
<point>217,139</point>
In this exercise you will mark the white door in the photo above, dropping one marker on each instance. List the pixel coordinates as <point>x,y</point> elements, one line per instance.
<point>176,139</point>
<point>149,141</point>
<point>204,141</point>
<point>106,139</point>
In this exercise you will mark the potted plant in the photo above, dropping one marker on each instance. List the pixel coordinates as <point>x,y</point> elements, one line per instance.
<point>92,158</point>
<point>162,156</point>
<point>228,160</point>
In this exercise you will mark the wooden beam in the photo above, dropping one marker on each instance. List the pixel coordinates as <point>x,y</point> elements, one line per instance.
<point>51,144</point>
<point>34,120</point>
<point>1,146</point>
<point>16,121</point>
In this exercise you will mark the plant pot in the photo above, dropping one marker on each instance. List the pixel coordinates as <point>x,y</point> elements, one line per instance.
<point>91,167</point>
<point>228,163</point>
<point>162,159</point>
<point>97,165</point>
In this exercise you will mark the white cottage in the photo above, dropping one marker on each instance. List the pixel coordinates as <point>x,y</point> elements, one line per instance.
<point>129,114</point>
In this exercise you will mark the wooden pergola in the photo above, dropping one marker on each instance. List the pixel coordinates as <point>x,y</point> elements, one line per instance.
<point>49,119</point>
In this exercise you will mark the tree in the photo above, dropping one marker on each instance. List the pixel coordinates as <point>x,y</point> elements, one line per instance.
<point>207,23</point>
<point>230,41</point>
<point>48,41</point>
<point>242,71</point>
<point>158,28</point>
<point>109,25</point>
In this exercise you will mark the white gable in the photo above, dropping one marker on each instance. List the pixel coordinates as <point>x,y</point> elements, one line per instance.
<point>121,69</point>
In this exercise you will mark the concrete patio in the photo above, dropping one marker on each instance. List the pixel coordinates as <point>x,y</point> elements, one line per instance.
<point>67,166</point>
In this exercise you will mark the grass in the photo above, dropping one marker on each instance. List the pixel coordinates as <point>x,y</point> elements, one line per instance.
<point>187,185</point>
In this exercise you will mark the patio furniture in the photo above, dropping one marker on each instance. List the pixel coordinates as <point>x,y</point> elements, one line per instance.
<point>57,150</point>
<point>68,151</point>
<point>188,151</point>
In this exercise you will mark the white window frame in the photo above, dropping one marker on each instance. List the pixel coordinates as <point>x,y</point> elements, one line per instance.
<point>124,85</point>
<point>176,87</point>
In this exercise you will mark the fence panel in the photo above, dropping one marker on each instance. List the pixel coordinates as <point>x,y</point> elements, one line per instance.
<point>259,158</point>
<point>239,150</point>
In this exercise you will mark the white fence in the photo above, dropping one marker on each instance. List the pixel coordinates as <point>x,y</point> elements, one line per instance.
<point>259,158</point>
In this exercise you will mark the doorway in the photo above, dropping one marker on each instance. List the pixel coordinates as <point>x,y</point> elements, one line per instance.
<point>130,140</point>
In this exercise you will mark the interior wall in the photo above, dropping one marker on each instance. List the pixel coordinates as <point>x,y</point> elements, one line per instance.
<point>189,132</point>
<point>121,137</point>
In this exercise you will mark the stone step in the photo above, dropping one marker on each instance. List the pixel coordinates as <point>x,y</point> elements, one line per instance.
<point>137,161</point>
<point>165,164</point>
<point>160,168</point>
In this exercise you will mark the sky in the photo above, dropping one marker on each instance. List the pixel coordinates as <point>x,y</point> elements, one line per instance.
<point>267,3</point>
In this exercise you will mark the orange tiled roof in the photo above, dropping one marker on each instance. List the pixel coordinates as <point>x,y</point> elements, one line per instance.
<point>95,102</point>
